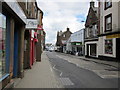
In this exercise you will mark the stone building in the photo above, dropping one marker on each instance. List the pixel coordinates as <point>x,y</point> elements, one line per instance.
<point>91,32</point>
<point>62,38</point>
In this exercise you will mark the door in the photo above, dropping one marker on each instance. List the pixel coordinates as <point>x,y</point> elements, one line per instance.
<point>118,48</point>
<point>87,50</point>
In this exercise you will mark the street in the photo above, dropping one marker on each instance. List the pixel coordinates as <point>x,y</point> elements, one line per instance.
<point>77,73</point>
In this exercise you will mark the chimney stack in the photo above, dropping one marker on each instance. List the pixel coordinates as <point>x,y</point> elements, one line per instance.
<point>92,4</point>
<point>67,29</point>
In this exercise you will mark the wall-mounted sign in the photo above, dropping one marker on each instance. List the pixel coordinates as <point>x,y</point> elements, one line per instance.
<point>77,43</point>
<point>113,36</point>
<point>31,24</point>
<point>17,9</point>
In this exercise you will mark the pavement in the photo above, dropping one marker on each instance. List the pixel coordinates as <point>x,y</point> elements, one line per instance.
<point>105,62</point>
<point>40,76</point>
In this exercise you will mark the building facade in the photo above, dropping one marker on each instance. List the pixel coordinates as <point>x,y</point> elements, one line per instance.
<point>91,32</point>
<point>18,39</point>
<point>75,44</point>
<point>12,42</point>
<point>109,33</point>
<point>62,38</point>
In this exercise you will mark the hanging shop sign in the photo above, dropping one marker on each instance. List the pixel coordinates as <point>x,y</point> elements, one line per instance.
<point>32,24</point>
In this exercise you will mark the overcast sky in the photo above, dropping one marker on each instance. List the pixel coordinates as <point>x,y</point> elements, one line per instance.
<point>60,14</point>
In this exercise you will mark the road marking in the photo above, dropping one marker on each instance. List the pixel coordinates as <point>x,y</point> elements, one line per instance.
<point>69,61</point>
<point>58,70</point>
<point>66,81</point>
<point>51,69</point>
<point>77,65</point>
<point>61,74</point>
<point>57,86</point>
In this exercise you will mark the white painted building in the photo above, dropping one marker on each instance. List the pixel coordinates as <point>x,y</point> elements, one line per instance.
<point>109,35</point>
<point>75,43</point>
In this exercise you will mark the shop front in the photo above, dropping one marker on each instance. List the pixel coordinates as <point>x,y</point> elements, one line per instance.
<point>77,48</point>
<point>30,43</point>
<point>91,49</point>
<point>33,41</point>
<point>3,73</point>
<point>110,47</point>
<point>11,44</point>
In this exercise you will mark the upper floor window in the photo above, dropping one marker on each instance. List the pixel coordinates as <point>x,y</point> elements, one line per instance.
<point>108,22</point>
<point>64,35</point>
<point>108,4</point>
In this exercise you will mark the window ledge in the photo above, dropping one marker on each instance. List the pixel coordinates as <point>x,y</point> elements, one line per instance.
<point>3,77</point>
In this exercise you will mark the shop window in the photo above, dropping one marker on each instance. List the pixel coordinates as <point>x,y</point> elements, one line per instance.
<point>2,44</point>
<point>108,46</point>
<point>108,22</point>
<point>108,4</point>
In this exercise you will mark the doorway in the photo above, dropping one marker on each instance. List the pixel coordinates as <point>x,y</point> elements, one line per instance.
<point>118,49</point>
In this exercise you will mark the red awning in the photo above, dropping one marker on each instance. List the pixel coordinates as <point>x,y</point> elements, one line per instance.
<point>36,40</point>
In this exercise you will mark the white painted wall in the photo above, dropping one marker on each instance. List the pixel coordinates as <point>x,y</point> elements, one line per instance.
<point>115,10</point>
<point>101,47</point>
<point>78,36</point>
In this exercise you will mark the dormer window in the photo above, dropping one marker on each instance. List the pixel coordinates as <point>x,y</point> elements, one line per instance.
<point>64,35</point>
<point>108,4</point>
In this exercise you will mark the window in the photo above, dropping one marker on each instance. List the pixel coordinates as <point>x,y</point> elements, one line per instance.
<point>108,22</point>
<point>95,29</point>
<point>64,35</point>
<point>87,30</point>
<point>108,46</point>
<point>108,4</point>
<point>2,43</point>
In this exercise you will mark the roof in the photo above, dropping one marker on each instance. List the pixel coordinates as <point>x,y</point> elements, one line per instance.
<point>92,16</point>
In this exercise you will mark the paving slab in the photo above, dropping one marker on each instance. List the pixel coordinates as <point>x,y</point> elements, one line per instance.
<point>40,76</point>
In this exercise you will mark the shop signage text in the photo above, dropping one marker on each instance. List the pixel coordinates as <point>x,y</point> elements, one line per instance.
<point>31,24</point>
<point>113,36</point>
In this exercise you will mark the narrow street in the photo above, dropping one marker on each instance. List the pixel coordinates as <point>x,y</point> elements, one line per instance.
<point>60,44</point>
<point>74,73</point>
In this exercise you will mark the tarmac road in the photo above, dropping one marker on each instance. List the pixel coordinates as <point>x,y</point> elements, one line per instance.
<point>72,76</point>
